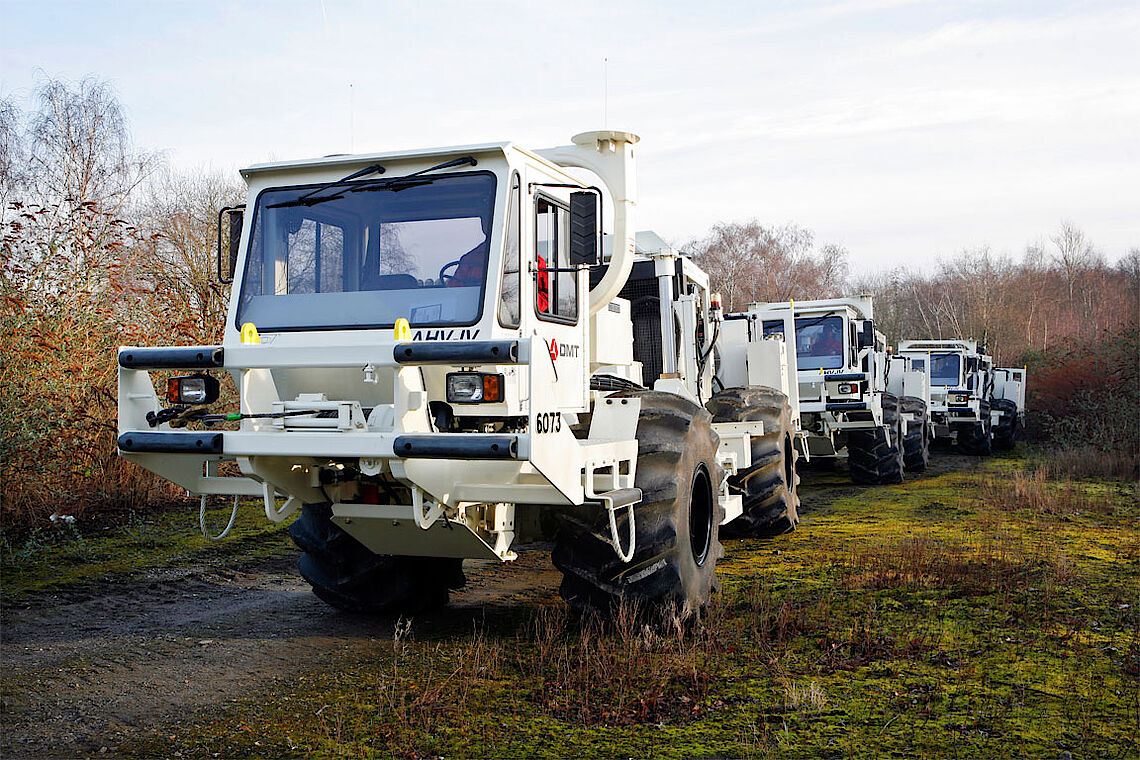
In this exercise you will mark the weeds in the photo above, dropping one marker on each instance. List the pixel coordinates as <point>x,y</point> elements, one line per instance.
<point>807,698</point>
<point>1091,462</point>
<point>882,627</point>
<point>1037,492</point>
<point>618,672</point>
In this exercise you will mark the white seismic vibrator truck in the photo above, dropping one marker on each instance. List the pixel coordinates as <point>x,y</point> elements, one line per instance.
<point>434,361</point>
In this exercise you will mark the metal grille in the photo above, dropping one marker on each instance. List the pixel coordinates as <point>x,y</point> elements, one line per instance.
<point>645,312</point>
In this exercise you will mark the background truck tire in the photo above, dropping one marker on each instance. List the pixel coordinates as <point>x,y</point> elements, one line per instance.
<point>346,575</point>
<point>769,487</point>
<point>875,457</point>
<point>916,440</point>
<point>676,523</point>
<point>1008,428</point>
<point>974,438</point>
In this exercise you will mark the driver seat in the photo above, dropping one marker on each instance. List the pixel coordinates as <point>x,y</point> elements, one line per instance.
<point>469,273</point>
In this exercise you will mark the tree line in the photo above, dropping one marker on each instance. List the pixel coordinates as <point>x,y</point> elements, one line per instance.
<point>1055,295</point>
<point>103,244</point>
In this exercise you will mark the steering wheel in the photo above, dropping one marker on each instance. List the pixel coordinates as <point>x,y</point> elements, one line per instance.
<point>443,276</point>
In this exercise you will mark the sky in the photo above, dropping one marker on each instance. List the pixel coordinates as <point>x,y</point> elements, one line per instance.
<point>902,130</point>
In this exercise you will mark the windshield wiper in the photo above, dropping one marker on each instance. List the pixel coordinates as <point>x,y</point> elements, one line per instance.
<point>415,179</point>
<point>308,200</point>
<point>374,169</point>
<point>393,184</point>
<point>815,321</point>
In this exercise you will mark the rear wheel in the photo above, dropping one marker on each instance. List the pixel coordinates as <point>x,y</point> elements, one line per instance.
<point>974,438</point>
<point>916,440</point>
<point>769,486</point>
<point>1008,427</point>
<point>676,523</point>
<point>875,457</point>
<point>345,574</point>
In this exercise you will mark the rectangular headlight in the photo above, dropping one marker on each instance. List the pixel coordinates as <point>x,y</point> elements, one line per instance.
<point>474,388</point>
<point>192,389</point>
<point>848,388</point>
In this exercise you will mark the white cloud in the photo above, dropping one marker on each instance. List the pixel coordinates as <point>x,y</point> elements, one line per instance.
<point>897,128</point>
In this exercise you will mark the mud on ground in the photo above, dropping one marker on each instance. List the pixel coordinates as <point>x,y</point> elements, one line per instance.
<point>86,670</point>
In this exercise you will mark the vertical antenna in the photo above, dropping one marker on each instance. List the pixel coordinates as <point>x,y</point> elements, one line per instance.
<point>351,121</point>
<point>605,93</point>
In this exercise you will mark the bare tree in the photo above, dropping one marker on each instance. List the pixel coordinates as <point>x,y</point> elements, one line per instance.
<point>175,264</point>
<point>81,149</point>
<point>1074,253</point>
<point>12,158</point>
<point>748,262</point>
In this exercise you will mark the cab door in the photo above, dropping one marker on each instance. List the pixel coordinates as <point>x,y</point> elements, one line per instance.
<point>559,386</point>
<point>558,310</point>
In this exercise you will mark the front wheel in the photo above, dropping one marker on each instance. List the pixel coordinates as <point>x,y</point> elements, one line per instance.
<point>875,456</point>
<point>676,523</point>
<point>916,440</point>
<point>347,575</point>
<point>769,486</point>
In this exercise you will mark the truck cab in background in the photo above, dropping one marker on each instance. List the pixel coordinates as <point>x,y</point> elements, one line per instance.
<point>840,382</point>
<point>972,404</point>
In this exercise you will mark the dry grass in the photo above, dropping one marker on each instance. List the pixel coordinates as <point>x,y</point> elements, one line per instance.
<point>619,671</point>
<point>994,564</point>
<point>883,627</point>
<point>1090,462</point>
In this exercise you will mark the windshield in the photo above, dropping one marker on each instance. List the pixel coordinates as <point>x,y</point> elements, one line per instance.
<point>366,254</point>
<point>945,369</point>
<point>819,341</point>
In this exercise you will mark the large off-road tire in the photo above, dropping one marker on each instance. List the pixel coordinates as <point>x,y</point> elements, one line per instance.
<point>348,576</point>
<point>875,457</point>
<point>769,486</point>
<point>916,440</point>
<point>676,523</point>
<point>1008,428</point>
<point>975,438</point>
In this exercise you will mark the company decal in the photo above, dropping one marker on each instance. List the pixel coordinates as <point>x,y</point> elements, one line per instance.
<point>562,349</point>
<point>833,372</point>
<point>464,334</point>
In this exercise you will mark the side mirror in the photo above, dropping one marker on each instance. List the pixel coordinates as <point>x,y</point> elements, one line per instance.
<point>867,335</point>
<point>583,228</point>
<point>235,216</point>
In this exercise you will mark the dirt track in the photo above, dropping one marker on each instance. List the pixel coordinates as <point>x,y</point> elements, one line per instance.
<point>86,670</point>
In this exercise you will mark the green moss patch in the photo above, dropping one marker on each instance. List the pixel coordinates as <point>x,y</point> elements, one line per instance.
<point>66,555</point>
<point>954,615</point>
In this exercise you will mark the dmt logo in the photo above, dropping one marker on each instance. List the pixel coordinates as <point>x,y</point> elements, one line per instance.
<point>557,350</point>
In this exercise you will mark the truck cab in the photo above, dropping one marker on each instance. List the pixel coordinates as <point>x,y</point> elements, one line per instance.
<point>961,389</point>
<point>841,366</point>
<point>850,399</point>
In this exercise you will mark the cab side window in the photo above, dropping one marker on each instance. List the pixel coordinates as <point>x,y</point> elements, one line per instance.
<point>509,293</point>
<point>555,292</point>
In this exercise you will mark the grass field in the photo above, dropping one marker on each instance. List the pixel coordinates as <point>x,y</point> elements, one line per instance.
<point>984,611</point>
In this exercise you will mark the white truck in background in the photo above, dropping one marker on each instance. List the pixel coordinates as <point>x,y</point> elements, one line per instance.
<point>844,401</point>
<point>973,404</point>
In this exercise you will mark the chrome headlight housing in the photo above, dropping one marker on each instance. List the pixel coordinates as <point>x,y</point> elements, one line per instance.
<point>474,388</point>
<point>192,389</point>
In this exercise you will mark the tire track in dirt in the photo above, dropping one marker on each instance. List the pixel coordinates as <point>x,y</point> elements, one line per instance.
<point>88,669</point>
